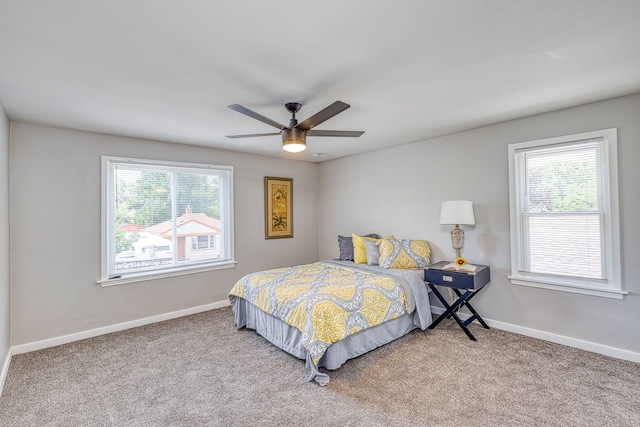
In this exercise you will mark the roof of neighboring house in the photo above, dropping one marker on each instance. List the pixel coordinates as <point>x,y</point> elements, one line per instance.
<point>188,218</point>
<point>130,228</point>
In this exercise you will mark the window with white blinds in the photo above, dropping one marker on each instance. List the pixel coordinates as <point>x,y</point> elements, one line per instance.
<point>564,213</point>
<point>164,218</point>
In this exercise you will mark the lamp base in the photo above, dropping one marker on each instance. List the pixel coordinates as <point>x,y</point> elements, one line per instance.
<point>457,239</point>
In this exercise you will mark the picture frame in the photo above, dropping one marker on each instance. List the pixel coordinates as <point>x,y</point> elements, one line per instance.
<point>278,207</point>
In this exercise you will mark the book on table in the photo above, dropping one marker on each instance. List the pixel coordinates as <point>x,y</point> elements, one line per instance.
<point>465,268</point>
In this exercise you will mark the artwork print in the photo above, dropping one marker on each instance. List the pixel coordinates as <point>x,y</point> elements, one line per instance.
<point>278,196</point>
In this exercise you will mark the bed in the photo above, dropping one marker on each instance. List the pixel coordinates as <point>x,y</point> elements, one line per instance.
<point>331,311</point>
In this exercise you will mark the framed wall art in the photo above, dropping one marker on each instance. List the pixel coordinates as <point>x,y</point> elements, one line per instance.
<point>278,207</point>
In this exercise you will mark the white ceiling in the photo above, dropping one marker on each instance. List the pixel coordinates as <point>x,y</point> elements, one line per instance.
<point>410,69</point>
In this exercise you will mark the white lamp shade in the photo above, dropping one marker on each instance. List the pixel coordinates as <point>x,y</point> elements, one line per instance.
<point>456,212</point>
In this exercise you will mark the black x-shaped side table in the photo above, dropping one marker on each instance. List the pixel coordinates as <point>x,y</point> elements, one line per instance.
<point>465,285</point>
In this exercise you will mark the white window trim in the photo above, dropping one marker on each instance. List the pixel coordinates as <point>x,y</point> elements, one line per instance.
<point>104,280</point>
<point>179,271</point>
<point>611,288</point>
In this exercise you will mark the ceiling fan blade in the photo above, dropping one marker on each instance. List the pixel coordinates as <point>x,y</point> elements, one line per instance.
<point>323,115</point>
<point>247,112</point>
<point>335,132</point>
<point>253,135</point>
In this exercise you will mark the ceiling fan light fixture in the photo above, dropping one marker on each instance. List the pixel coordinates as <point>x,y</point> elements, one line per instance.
<point>294,146</point>
<point>294,140</point>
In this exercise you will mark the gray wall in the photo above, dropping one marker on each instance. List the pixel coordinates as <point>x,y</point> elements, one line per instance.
<point>55,223</point>
<point>399,191</point>
<point>5,336</point>
<point>55,231</point>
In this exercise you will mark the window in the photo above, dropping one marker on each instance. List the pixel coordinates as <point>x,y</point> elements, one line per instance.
<point>164,218</point>
<point>564,214</point>
<point>203,242</point>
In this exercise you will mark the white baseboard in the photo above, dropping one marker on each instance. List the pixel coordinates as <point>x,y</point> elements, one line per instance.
<point>618,353</point>
<point>5,370</point>
<point>52,342</point>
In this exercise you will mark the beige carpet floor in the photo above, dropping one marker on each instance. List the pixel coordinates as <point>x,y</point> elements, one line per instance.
<point>200,371</point>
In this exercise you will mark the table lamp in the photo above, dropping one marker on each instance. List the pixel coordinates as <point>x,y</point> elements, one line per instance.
<point>457,212</point>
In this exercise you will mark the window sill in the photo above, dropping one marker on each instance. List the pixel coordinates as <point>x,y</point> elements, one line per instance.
<point>544,283</point>
<point>141,277</point>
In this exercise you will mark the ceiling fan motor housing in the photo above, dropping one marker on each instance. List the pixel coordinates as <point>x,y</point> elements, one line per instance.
<point>294,133</point>
<point>294,139</point>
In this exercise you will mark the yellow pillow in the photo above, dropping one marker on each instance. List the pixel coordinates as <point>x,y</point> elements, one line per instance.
<point>359,251</point>
<point>405,254</point>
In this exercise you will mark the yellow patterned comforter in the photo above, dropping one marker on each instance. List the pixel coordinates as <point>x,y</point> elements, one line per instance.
<point>325,302</point>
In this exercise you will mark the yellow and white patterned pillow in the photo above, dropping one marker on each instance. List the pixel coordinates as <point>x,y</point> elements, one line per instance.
<point>404,254</point>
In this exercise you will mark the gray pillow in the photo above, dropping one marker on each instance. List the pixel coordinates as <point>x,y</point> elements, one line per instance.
<point>373,252</point>
<point>345,244</point>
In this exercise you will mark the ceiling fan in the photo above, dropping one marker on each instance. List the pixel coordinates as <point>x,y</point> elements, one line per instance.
<point>294,137</point>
